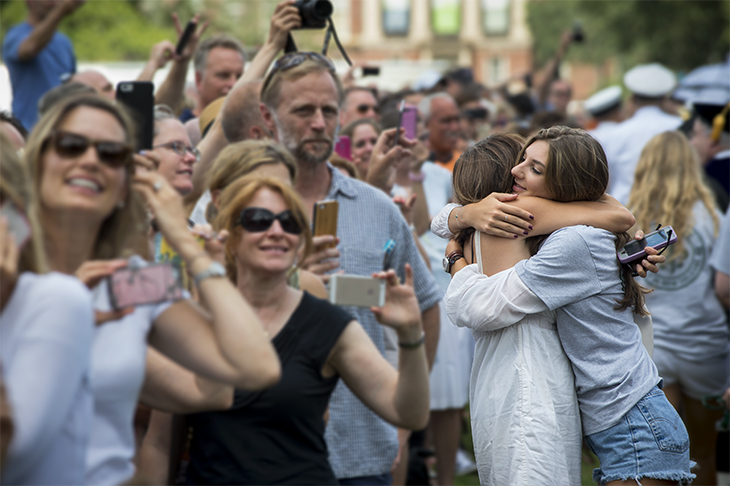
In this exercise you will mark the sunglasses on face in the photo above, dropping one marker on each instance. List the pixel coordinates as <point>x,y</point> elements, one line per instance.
<point>70,145</point>
<point>294,59</point>
<point>180,149</point>
<point>257,220</point>
<point>362,109</point>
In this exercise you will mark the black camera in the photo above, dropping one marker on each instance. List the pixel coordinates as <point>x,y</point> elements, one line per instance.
<point>314,13</point>
<point>578,33</point>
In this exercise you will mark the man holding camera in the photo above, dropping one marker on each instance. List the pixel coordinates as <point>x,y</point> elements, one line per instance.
<point>301,100</point>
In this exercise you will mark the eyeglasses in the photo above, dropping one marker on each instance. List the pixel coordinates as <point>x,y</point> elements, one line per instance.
<point>362,109</point>
<point>180,149</point>
<point>294,59</point>
<point>257,220</point>
<point>70,145</point>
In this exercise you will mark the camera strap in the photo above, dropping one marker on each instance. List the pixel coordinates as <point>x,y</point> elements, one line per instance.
<point>331,32</point>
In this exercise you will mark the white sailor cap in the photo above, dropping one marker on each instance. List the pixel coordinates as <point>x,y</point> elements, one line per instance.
<point>650,80</point>
<point>604,101</point>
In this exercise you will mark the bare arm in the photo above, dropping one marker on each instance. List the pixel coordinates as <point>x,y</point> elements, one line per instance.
<point>154,454</point>
<point>550,71</point>
<point>400,397</point>
<point>226,344</point>
<point>159,55</point>
<point>722,288</point>
<point>171,91</point>
<point>172,388</point>
<point>43,31</point>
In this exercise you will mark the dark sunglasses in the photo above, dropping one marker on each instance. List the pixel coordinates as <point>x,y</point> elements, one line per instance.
<point>69,145</point>
<point>180,149</point>
<point>257,220</point>
<point>362,109</point>
<point>294,59</point>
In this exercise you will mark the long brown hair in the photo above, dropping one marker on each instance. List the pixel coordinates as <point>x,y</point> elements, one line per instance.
<point>577,170</point>
<point>237,196</point>
<point>123,231</point>
<point>667,184</point>
<point>485,168</point>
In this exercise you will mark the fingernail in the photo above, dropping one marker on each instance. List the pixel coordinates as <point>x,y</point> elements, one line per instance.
<point>142,152</point>
<point>525,232</point>
<point>532,217</point>
<point>514,236</point>
<point>529,226</point>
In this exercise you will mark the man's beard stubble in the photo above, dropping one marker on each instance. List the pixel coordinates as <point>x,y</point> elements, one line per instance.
<point>299,150</point>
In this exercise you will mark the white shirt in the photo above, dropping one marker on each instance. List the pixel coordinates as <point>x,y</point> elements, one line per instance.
<point>118,368</point>
<point>45,349</point>
<point>623,146</point>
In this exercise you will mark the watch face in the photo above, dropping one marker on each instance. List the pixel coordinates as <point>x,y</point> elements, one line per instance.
<point>447,266</point>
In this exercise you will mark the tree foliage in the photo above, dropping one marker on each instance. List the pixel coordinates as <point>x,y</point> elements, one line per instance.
<point>681,34</point>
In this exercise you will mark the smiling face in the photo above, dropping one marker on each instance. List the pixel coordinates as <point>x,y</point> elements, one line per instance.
<point>364,138</point>
<point>529,174</point>
<point>177,169</point>
<point>272,251</point>
<point>83,185</point>
<point>306,116</point>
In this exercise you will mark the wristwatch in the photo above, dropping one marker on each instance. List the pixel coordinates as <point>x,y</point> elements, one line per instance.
<point>214,270</point>
<point>450,259</point>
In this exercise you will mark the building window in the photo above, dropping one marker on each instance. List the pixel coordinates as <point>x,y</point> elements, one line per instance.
<point>446,17</point>
<point>396,17</point>
<point>497,70</point>
<point>495,16</point>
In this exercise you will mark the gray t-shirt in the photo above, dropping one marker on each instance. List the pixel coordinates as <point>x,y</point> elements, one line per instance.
<point>689,320</point>
<point>576,272</point>
<point>720,260</point>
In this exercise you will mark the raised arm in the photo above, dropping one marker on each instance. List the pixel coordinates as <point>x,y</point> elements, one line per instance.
<point>227,343</point>
<point>171,91</point>
<point>44,30</point>
<point>400,397</point>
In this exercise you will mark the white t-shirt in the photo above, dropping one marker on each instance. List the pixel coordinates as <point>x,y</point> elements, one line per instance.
<point>46,337</point>
<point>118,369</point>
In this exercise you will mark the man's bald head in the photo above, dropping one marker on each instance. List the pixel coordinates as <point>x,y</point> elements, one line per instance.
<point>96,80</point>
<point>241,114</point>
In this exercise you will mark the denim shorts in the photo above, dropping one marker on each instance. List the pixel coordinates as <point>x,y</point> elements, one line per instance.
<point>650,441</point>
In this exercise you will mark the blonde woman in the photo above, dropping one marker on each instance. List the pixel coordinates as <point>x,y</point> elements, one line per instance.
<point>46,334</point>
<point>690,327</point>
<point>90,208</point>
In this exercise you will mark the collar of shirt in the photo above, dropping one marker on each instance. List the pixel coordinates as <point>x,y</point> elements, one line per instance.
<point>340,184</point>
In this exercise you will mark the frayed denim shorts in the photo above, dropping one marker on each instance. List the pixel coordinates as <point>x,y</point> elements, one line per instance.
<point>650,441</point>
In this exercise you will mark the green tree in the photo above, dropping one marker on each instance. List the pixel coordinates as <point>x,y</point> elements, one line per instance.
<point>681,34</point>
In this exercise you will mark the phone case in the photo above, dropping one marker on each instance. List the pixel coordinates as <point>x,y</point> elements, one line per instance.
<point>17,223</point>
<point>343,147</point>
<point>130,287</point>
<point>325,219</point>
<point>635,250</point>
<point>410,116</point>
<point>139,98</point>
<point>356,290</point>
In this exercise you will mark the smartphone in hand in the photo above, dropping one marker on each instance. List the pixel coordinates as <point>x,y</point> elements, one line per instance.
<point>343,147</point>
<point>17,223</point>
<point>636,249</point>
<point>153,284</point>
<point>325,219</point>
<point>139,98</point>
<point>356,290</point>
<point>185,37</point>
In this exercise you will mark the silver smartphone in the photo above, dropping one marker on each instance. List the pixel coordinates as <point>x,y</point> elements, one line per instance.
<point>356,290</point>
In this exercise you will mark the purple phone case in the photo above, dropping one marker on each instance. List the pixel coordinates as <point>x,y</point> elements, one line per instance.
<point>623,257</point>
<point>410,115</point>
<point>343,147</point>
<point>130,287</point>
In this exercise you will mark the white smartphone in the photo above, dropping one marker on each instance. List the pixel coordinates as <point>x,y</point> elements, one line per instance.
<point>356,290</point>
<point>17,223</point>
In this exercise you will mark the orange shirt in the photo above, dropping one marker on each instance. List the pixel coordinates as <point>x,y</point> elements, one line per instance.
<point>450,164</point>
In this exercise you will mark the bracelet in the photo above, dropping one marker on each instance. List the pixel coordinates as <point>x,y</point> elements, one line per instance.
<point>456,217</point>
<point>414,344</point>
<point>416,177</point>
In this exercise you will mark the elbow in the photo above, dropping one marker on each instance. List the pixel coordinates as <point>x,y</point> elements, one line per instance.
<point>417,420</point>
<point>627,219</point>
<point>266,374</point>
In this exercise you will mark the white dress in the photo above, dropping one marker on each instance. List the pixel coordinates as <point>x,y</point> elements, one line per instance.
<point>524,410</point>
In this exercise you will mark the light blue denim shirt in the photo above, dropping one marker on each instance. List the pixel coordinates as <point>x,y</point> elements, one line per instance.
<point>360,443</point>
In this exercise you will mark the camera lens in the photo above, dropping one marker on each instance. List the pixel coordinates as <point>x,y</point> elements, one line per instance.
<point>322,9</point>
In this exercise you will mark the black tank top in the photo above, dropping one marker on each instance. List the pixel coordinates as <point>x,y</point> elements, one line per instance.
<point>276,436</point>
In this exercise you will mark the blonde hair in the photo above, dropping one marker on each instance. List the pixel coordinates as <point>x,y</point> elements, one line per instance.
<point>123,231</point>
<point>241,158</point>
<point>667,184</point>
<point>237,196</point>
<point>15,186</point>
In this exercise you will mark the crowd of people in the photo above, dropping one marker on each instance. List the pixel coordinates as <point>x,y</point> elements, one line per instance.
<point>493,230</point>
